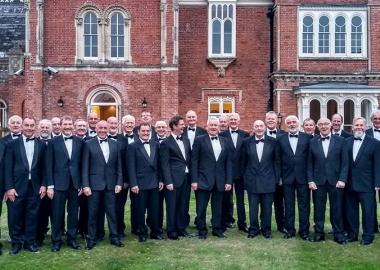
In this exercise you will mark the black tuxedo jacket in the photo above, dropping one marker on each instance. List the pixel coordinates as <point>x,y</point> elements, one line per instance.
<point>17,168</point>
<point>173,164</point>
<point>198,131</point>
<point>122,142</point>
<point>96,173</point>
<point>2,154</point>
<point>235,152</point>
<point>260,176</point>
<point>205,170</point>
<point>343,134</point>
<point>364,172</point>
<point>369,132</point>
<point>60,169</point>
<point>322,170</point>
<point>294,166</point>
<point>143,170</point>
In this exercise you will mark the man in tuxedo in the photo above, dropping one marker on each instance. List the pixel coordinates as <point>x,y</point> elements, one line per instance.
<point>15,127</point>
<point>25,186</point>
<point>235,137</point>
<point>175,166</point>
<point>363,181</point>
<point>223,120</point>
<point>271,122</point>
<point>146,118</point>
<point>260,161</point>
<point>45,129</point>
<point>294,150</point>
<point>114,127</point>
<point>327,174</point>
<point>92,120</point>
<point>336,129</point>
<point>63,164</point>
<point>144,179</point>
<point>374,132</point>
<point>101,180</point>
<point>56,126</point>
<point>80,128</point>
<point>191,131</point>
<point>211,174</point>
<point>309,127</point>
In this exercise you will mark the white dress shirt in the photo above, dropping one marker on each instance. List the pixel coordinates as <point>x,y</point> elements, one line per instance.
<point>191,136</point>
<point>29,150</point>
<point>105,149</point>
<point>272,135</point>
<point>326,144</point>
<point>146,146</point>
<point>293,142</point>
<point>69,145</point>
<point>259,148</point>
<point>356,147</point>
<point>216,147</point>
<point>130,140</point>
<point>376,134</point>
<point>182,148</point>
<point>234,137</point>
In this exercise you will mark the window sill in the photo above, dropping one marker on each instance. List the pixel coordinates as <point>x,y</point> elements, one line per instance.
<point>221,64</point>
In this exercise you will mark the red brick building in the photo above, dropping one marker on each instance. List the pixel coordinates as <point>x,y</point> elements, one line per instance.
<point>304,57</point>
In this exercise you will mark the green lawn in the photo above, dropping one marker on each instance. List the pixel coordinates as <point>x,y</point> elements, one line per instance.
<point>234,252</point>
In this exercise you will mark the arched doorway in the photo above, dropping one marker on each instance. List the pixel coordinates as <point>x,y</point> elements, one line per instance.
<point>3,118</point>
<point>105,103</point>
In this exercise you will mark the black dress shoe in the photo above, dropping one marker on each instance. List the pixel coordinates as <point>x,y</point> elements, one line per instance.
<point>142,238</point>
<point>32,248</point>
<point>229,225</point>
<point>282,230</point>
<point>15,249</point>
<point>73,244</point>
<point>219,234</point>
<point>157,237</point>
<point>252,235</point>
<point>340,241</point>
<point>55,247</point>
<point>305,237</point>
<point>117,243</point>
<point>366,242</point>
<point>289,235</point>
<point>267,235</point>
<point>351,239</point>
<point>318,238</point>
<point>173,236</point>
<point>243,229</point>
<point>183,233</point>
<point>90,245</point>
<point>202,236</point>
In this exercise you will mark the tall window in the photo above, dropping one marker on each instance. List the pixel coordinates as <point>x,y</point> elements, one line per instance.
<point>220,105</point>
<point>90,33</point>
<point>324,35</point>
<point>340,35</point>
<point>222,29</point>
<point>307,35</point>
<point>356,35</point>
<point>117,35</point>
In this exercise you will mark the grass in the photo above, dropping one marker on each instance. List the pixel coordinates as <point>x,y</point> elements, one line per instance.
<point>234,252</point>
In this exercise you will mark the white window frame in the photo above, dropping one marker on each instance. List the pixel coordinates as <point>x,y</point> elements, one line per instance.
<point>332,13</point>
<point>233,38</point>
<point>220,100</point>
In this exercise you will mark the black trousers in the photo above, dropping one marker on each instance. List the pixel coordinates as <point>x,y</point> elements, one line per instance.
<point>83,215</point>
<point>94,201</point>
<point>263,202</point>
<point>176,215</point>
<point>133,210</point>
<point>187,193</point>
<point>23,217</point>
<point>147,201</point>
<point>303,200</point>
<point>240,205</point>
<point>279,208</point>
<point>202,200</point>
<point>121,200</point>
<point>59,202</point>
<point>227,208</point>
<point>336,200</point>
<point>367,203</point>
<point>43,218</point>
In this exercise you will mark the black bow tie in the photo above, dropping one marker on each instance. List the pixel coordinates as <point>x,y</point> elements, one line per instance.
<point>336,134</point>
<point>16,135</point>
<point>112,137</point>
<point>129,136</point>
<point>358,139</point>
<point>92,131</point>
<point>147,142</point>
<point>214,138</point>
<point>271,132</point>
<point>375,130</point>
<point>68,138</point>
<point>161,139</point>
<point>293,135</point>
<point>257,141</point>
<point>234,131</point>
<point>102,140</point>
<point>30,139</point>
<point>179,138</point>
<point>325,138</point>
<point>192,129</point>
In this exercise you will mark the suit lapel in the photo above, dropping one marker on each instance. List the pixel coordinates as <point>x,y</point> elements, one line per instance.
<point>254,150</point>
<point>23,153</point>
<point>222,147</point>
<point>142,150</point>
<point>321,147</point>
<point>152,153</point>
<point>361,149</point>
<point>209,146</point>
<point>332,142</point>
<point>99,149</point>
<point>288,146</point>
<point>35,154</point>
<point>176,147</point>
<point>63,145</point>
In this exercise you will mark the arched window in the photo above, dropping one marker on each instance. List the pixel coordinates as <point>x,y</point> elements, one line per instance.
<point>105,104</point>
<point>3,118</point>
<point>349,112</point>
<point>307,35</point>
<point>366,110</point>
<point>315,110</point>
<point>356,35</point>
<point>332,108</point>
<point>340,35</point>
<point>222,30</point>
<point>324,35</point>
<point>90,35</point>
